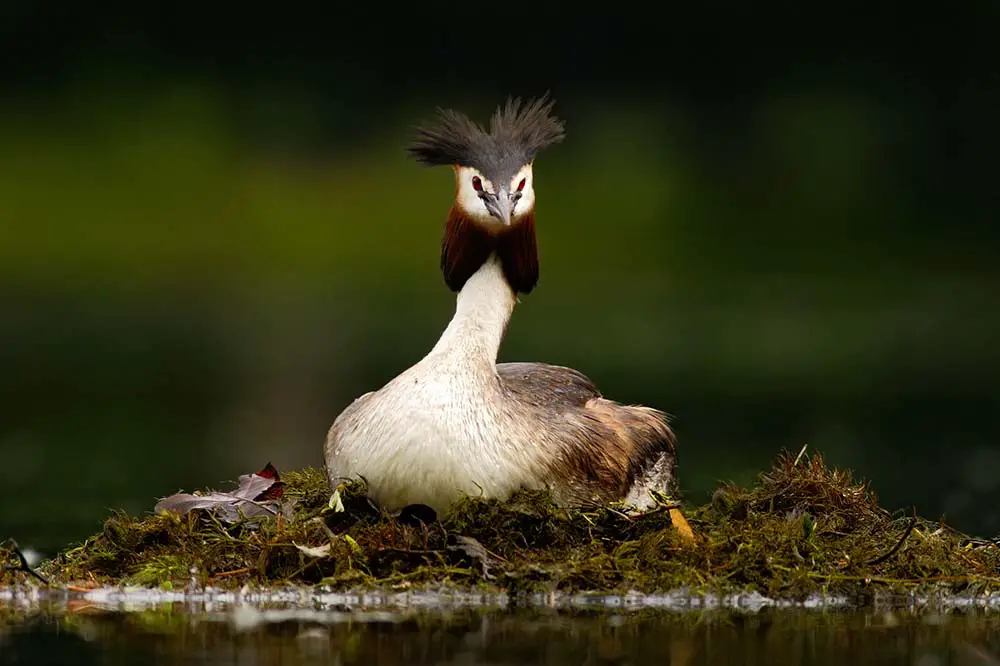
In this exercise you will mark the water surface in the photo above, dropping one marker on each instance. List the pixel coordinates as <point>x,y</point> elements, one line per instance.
<point>116,628</point>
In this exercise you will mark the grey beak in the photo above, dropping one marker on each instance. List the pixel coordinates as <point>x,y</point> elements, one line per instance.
<point>502,206</point>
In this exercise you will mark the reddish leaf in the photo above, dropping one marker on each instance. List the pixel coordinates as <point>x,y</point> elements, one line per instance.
<point>256,495</point>
<point>273,493</point>
<point>269,472</point>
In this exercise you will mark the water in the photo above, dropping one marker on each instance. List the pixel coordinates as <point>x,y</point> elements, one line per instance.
<point>114,627</point>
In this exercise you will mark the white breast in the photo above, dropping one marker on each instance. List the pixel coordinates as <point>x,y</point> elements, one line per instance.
<point>431,435</point>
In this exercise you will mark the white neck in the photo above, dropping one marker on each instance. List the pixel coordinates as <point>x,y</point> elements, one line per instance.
<point>484,307</point>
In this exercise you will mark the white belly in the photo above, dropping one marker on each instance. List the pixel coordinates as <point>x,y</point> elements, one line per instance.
<point>430,438</point>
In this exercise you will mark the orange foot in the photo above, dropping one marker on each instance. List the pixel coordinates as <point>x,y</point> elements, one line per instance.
<point>680,524</point>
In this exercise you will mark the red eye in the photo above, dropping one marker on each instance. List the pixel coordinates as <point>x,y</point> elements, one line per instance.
<point>520,186</point>
<point>477,184</point>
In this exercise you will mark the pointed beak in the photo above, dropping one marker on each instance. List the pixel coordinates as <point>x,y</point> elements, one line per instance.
<point>502,208</point>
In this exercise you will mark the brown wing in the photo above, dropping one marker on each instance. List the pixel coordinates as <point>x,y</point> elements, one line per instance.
<point>607,449</point>
<point>544,385</point>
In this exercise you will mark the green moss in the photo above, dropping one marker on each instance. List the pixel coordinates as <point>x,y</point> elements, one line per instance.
<point>802,528</point>
<point>160,571</point>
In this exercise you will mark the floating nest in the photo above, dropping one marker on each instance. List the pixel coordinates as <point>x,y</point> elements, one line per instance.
<point>803,528</point>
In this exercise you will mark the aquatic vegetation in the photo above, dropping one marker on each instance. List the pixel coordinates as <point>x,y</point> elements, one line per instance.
<point>801,528</point>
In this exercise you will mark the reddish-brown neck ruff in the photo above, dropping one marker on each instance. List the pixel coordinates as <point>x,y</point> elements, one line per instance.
<point>468,243</point>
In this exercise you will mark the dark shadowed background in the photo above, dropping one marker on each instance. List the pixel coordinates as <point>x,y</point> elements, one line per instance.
<point>779,226</point>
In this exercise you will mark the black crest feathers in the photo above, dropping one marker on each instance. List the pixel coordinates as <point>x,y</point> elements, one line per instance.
<point>517,132</point>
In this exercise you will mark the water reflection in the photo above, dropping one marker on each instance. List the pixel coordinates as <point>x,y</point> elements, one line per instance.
<point>79,632</point>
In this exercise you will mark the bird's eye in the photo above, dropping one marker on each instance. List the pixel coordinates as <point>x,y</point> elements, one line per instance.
<point>520,186</point>
<point>477,184</point>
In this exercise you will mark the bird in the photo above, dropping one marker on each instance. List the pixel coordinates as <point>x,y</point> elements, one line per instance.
<point>457,423</point>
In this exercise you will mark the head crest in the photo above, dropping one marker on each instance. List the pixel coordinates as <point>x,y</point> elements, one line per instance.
<point>518,131</point>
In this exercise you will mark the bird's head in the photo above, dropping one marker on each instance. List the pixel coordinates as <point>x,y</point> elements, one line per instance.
<point>492,197</point>
<point>493,175</point>
<point>494,186</point>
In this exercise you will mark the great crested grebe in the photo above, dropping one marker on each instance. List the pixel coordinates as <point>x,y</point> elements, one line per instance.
<point>459,423</point>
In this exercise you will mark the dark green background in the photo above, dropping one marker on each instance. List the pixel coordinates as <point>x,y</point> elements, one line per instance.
<point>776,224</point>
